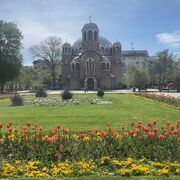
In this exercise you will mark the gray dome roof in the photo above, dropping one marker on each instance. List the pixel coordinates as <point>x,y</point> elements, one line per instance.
<point>102,41</point>
<point>117,44</point>
<point>66,44</point>
<point>91,26</point>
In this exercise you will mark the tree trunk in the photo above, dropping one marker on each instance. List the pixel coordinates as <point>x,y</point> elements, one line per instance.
<point>2,88</point>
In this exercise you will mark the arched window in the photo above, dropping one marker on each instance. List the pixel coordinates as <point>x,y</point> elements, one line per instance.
<point>65,49</point>
<point>93,65</point>
<point>95,35</point>
<point>89,35</point>
<point>69,50</point>
<point>90,61</point>
<point>102,50</point>
<point>87,65</point>
<point>107,50</point>
<point>107,66</point>
<point>84,36</point>
<point>77,66</point>
<point>73,66</point>
<point>103,66</point>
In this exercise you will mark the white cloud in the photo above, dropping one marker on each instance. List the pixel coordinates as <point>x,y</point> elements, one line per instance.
<point>170,39</point>
<point>34,32</point>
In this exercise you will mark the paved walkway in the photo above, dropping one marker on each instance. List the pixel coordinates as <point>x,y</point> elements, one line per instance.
<point>154,91</point>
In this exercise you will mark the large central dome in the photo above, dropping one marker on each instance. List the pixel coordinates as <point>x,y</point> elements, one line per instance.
<point>102,41</point>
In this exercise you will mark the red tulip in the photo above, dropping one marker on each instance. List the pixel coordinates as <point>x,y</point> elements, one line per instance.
<point>103,134</point>
<point>172,128</point>
<point>49,139</point>
<point>56,139</point>
<point>122,128</point>
<point>38,134</point>
<point>167,134</point>
<point>132,123</point>
<point>10,130</point>
<point>53,132</point>
<point>58,126</point>
<point>168,123</point>
<point>115,134</point>
<point>154,122</point>
<point>15,130</point>
<point>137,131</point>
<point>140,138</point>
<point>92,133</point>
<point>83,134</point>
<point>155,130</point>
<point>176,132</point>
<point>161,136</point>
<point>178,140</point>
<point>1,125</point>
<point>65,130</point>
<point>8,125</point>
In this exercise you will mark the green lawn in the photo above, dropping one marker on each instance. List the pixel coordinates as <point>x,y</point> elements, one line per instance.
<point>125,108</point>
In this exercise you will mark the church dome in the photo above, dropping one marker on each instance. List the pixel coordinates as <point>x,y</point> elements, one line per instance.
<point>102,42</point>
<point>66,44</point>
<point>91,26</point>
<point>117,44</point>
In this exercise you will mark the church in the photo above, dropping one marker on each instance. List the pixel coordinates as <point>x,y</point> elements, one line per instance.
<point>92,62</point>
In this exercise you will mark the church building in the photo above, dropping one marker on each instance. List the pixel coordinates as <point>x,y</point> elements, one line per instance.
<point>92,62</point>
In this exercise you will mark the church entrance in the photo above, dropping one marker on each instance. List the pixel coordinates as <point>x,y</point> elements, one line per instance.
<point>90,84</point>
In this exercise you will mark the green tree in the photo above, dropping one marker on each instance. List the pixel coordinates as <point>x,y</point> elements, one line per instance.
<point>177,74</point>
<point>10,55</point>
<point>136,77</point>
<point>49,50</point>
<point>163,67</point>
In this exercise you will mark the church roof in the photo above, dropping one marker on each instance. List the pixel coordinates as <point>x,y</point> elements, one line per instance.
<point>135,53</point>
<point>91,26</point>
<point>102,41</point>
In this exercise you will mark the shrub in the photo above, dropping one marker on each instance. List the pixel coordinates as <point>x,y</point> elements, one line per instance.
<point>40,92</point>
<point>100,93</point>
<point>17,100</point>
<point>66,95</point>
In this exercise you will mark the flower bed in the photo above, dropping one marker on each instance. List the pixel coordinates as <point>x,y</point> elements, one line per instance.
<point>58,101</point>
<point>103,166</point>
<point>141,150</point>
<point>161,98</point>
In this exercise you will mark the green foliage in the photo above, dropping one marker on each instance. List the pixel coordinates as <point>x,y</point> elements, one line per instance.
<point>10,55</point>
<point>40,92</point>
<point>100,93</point>
<point>136,77</point>
<point>17,100</point>
<point>66,95</point>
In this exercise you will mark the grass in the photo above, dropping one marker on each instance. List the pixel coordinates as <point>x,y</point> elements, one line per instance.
<point>125,108</point>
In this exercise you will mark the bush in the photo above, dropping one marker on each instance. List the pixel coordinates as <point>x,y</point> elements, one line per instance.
<point>40,92</point>
<point>66,95</point>
<point>16,100</point>
<point>100,93</point>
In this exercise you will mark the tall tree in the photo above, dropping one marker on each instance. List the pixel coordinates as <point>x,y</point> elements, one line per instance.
<point>136,77</point>
<point>49,50</point>
<point>163,65</point>
<point>10,55</point>
<point>177,75</point>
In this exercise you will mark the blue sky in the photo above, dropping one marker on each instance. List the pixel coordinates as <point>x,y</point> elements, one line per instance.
<point>150,24</point>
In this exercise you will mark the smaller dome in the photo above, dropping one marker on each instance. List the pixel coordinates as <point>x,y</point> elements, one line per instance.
<point>105,60</point>
<point>91,26</point>
<point>117,44</point>
<point>76,59</point>
<point>66,44</point>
